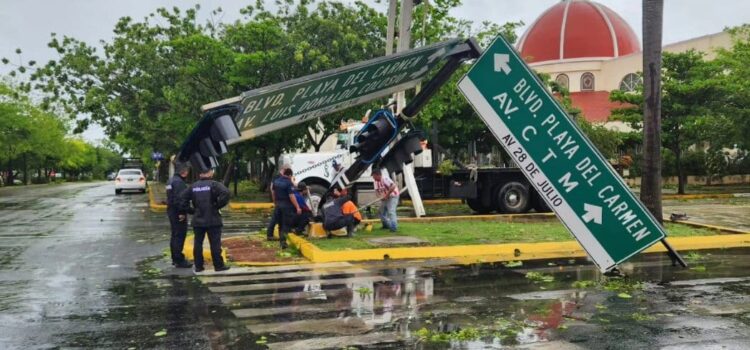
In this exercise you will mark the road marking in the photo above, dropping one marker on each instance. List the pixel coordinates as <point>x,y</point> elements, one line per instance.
<point>337,342</point>
<point>269,269</point>
<point>273,286</point>
<point>298,274</point>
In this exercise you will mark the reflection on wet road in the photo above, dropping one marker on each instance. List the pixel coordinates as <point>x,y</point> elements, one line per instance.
<point>82,268</point>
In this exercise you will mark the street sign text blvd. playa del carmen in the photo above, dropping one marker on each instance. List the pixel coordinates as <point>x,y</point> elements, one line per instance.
<point>566,169</point>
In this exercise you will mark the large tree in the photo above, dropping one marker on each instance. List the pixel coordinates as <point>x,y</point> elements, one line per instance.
<point>688,89</point>
<point>147,84</point>
<point>30,137</point>
<point>735,86</point>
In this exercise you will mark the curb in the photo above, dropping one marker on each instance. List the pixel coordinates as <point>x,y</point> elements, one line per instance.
<point>267,206</point>
<point>157,207</point>
<point>187,249</point>
<point>253,206</point>
<point>263,206</point>
<point>510,251</point>
<point>492,217</point>
<point>707,226</point>
<point>700,196</point>
<point>408,202</point>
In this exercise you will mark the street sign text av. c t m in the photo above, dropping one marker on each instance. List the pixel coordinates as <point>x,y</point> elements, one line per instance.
<point>560,162</point>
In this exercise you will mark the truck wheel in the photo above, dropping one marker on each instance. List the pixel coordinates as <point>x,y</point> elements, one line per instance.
<point>539,204</point>
<point>476,205</point>
<point>513,198</point>
<point>316,195</point>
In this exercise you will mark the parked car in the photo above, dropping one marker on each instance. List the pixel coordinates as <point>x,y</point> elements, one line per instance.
<point>130,180</point>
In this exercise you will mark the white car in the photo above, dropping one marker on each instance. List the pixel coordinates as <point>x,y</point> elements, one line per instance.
<point>130,179</point>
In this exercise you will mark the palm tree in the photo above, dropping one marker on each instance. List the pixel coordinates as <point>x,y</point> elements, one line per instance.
<point>651,178</point>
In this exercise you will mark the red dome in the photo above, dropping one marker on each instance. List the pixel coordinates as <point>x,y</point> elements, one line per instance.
<point>577,29</point>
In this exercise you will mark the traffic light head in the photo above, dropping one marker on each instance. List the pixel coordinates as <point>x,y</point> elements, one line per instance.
<point>402,152</point>
<point>209,138</point>
<point>379,131</point>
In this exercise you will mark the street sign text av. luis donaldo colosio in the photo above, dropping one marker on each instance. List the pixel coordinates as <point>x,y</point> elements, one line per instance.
<point>566,169</point>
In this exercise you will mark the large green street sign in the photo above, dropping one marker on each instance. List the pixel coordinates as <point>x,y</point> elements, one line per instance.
<point>570,174</point>
<point>278,106</point>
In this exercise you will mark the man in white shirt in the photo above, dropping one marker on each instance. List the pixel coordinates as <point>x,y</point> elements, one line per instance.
<point>387,190</point>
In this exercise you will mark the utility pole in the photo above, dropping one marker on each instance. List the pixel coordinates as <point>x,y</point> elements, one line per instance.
<point>391,27</point>
<point>652,51</point>
<point>404,42</point>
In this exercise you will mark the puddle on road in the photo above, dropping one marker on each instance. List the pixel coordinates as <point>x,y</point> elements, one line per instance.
<point>158,309</point>
<point>565,303</point>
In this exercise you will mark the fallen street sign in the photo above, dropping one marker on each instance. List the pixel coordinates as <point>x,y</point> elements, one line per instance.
<point>280,105</point>
<point>562,164</point>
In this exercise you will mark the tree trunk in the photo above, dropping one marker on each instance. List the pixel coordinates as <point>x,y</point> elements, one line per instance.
<point>10,176</point>
<point>681,178</point>
<point>25,169</point>
<point>316,144</point>
<point>651,179</point>
<point>228,172</point>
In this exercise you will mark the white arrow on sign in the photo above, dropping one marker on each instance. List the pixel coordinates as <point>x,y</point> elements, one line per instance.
<point>501,63</point>
<point>418,73</point>
<point>437,54</point>
<point>593,212</point>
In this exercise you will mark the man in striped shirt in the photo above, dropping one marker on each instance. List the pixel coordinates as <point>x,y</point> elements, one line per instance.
<point>388,192</point>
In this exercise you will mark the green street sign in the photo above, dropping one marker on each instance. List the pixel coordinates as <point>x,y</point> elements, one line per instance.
<point>280,105</point>
<point>562,164</point>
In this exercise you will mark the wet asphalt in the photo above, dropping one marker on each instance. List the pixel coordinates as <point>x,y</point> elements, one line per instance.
<point>83,268</point>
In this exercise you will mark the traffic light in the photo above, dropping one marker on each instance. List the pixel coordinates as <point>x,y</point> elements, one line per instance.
<point>402,152</point>
<point>375,136</point>
<point>209,138</point>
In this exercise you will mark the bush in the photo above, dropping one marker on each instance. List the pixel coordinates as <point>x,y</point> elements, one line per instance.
<point>694,163</point>
<point>447,167</point>
<point>249,187</point>
<point>250,190</point>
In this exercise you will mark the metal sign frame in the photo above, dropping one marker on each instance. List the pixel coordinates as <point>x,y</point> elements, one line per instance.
<point>281,105</point>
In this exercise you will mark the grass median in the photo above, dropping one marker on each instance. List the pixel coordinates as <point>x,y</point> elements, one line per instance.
<point>466,232</point>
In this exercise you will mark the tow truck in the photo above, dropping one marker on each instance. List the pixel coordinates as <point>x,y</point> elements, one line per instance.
<point>489,189</point>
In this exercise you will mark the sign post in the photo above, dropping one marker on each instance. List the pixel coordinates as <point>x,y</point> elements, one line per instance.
<point>281,105</point>
<point>560,162</point>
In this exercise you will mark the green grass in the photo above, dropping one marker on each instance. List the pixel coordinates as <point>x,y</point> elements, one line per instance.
<point>467,232</point>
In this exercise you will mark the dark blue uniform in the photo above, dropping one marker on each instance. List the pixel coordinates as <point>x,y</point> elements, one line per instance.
<point>284,211</point>
<point>203,199</point>
<point>274,219</point>
<point>175,186</point>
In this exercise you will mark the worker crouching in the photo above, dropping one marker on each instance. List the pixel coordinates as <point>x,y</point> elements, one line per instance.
<point>340,212</point>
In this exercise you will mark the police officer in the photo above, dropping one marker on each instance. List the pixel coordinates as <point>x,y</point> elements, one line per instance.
<point>175,186</point>
<point>285,204</point>
<point>274,215</point>
<point>203,199</point>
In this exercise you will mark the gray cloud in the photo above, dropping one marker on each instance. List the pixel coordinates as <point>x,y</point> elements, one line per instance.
<point>27,24</point>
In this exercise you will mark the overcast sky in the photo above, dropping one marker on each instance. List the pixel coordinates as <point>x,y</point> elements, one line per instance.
<point>27,24</point>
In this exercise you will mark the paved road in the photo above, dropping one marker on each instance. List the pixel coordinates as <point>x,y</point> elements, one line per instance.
<point>83,268</point>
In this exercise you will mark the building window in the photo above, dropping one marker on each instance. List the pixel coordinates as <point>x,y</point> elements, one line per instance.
<point>563,81</point>
<point>630,82</point>
<point>587,82</point>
